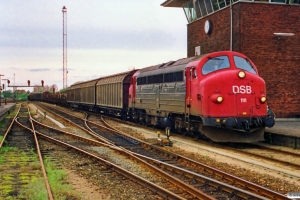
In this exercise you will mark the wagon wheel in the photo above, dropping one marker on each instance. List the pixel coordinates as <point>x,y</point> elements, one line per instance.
<point>196,136</point>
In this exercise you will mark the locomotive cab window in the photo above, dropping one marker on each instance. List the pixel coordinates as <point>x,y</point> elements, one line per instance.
<point>244,64</point>
<point>215,64</point>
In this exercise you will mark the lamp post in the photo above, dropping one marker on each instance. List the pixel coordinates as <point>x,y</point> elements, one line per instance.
<point>0,88</point>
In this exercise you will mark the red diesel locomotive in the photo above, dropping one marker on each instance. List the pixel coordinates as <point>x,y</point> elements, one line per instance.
<point>217,95</point>
<point>208,94</point>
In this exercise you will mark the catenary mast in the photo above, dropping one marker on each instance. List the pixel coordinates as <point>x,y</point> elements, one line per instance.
<point>65,48</point>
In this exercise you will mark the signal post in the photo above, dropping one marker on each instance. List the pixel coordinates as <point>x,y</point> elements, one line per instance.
<point>28,85</point>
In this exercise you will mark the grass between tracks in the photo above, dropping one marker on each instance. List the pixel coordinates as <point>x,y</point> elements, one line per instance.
<point>35,188</point>
<point>58,183</point>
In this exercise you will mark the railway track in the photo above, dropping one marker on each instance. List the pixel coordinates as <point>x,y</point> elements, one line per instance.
<point>92,149</point>
<point>285,162</point>
<point>273,154</point>
<point>117,173</point>
<point>176,165</point>
<point>21,159</point>
<point>280,161</point>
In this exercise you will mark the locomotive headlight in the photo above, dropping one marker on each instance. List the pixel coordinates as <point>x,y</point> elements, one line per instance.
<point>263,99</point>
<point>216,98</point>
<point>219,99</point>
<point>242,74</point>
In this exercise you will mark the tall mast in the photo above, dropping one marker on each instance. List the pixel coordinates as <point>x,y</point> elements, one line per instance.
<point>65,48</point>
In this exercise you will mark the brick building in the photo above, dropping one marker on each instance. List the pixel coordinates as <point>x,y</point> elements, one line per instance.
<point>267,32</point>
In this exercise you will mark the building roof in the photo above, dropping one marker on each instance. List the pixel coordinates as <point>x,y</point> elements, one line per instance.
<point>174,3</point>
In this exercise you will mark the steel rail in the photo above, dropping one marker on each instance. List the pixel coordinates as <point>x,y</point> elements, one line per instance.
<point>155,188</point>
<point>191,190</point>
<point>267,157</point>
<point>89,131</point>
<point>263,146</point>
<point>229,188</point>
<point>113,131</point>
<point>9,128</point>
<point>50,195</point>
<point>223,175</point>
<point>87,128</point>
<point>78,137</point>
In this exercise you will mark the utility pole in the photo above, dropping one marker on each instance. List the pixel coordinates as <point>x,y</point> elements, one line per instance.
<point>4,85</point>
<point>65,48</point>
<point>0,88</point>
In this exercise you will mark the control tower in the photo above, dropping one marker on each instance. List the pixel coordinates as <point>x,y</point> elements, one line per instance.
<point>267,31</point>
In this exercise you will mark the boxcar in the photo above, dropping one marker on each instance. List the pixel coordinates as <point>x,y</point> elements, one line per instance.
<point>113,93</point>
<point>35,96</point>
<point>82,95</point>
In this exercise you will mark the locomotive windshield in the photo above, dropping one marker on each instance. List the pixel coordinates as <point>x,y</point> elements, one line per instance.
<point>244,64</point>
<point>214,64</point>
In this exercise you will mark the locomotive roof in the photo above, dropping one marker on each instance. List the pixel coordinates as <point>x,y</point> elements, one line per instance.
<point>171,66</point>
<point>167,65</point>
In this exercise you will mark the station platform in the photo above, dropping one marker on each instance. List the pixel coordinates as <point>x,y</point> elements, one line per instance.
<point>286,132</point>
<point>286,126</point>
<point>5,109</point>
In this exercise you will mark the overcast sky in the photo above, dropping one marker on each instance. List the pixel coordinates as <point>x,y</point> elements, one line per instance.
<point>104,37</point>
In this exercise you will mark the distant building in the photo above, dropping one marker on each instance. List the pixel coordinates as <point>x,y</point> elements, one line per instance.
<point>268,32</point>
<point>20,92</point>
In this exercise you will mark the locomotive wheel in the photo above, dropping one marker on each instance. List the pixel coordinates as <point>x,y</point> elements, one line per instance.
<point>184,133</point>
<point>123,117</point>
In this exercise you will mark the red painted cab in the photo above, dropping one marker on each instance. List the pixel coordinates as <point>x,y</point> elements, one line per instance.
<point>219,95</point>
<point>224,88</point>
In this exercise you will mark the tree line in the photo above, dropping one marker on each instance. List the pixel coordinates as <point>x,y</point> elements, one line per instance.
<point>24,95</point>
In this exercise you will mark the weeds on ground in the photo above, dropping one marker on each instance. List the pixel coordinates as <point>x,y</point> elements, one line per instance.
<point>36,190</point>
<point>5,149</point>
<point>57,179</point>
